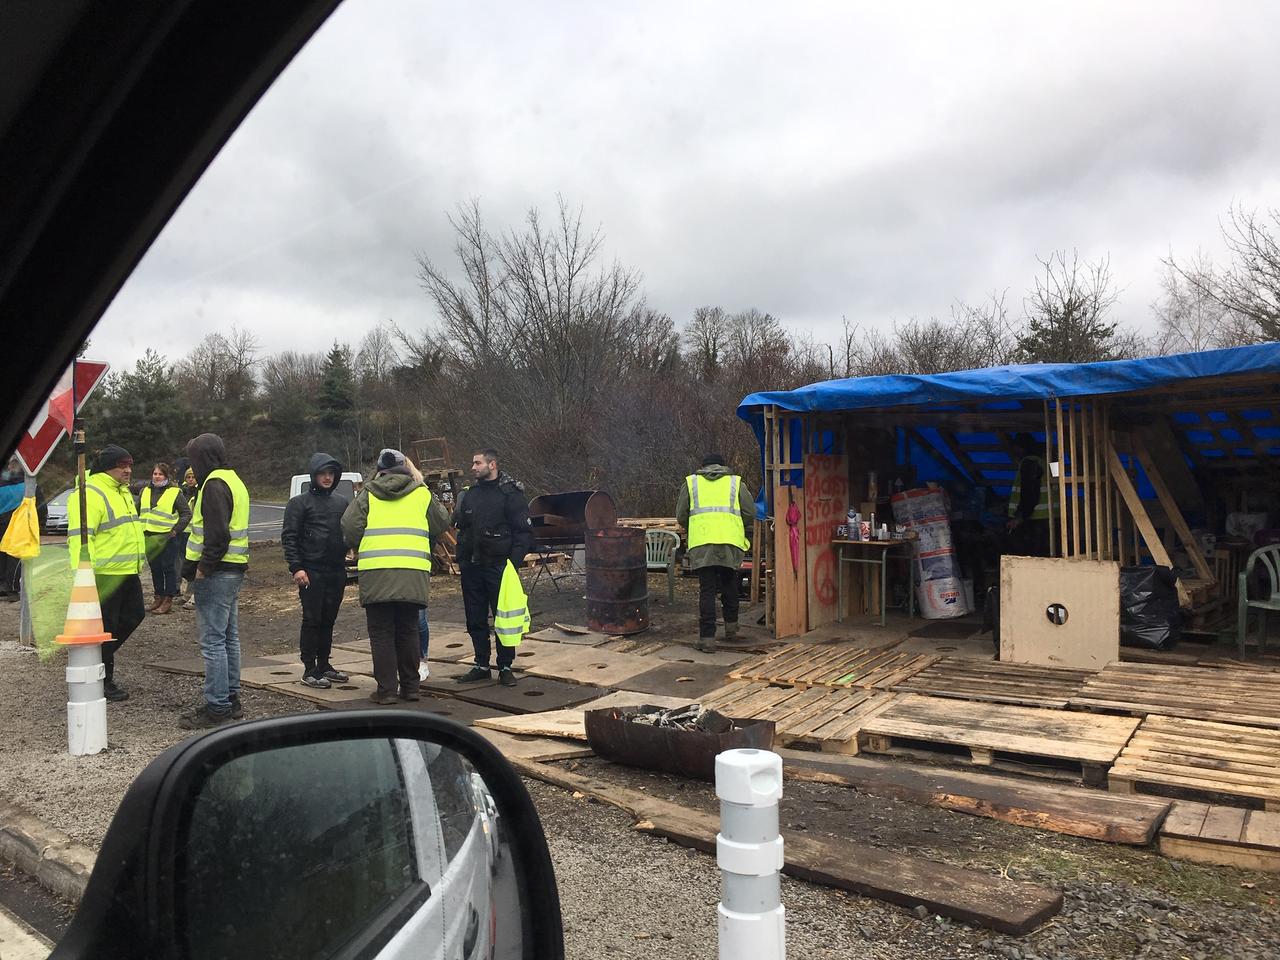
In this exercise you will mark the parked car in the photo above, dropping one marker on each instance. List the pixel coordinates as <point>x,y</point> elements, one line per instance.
<point>349,484</point>
<point>55,521</point>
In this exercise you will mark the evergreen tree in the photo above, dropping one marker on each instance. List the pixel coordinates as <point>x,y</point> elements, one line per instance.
<point>337,388</point>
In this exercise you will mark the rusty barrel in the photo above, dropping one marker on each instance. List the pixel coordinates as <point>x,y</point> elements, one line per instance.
<point>617,581</point>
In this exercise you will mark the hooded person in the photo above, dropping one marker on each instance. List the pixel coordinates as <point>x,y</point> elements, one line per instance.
<point>716,507</point>
<point>113,534</point>
<point>217,557</point>
<point>391,523</point>
<point>316,554</point>
<point>186,480</point>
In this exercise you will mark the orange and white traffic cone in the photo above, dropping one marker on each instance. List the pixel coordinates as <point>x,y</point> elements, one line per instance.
<point>83,637</point>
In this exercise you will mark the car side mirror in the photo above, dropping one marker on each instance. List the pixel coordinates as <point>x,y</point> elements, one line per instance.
<point>347,835</point>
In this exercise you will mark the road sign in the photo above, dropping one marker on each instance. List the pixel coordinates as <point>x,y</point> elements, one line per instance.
<point>50,424</point>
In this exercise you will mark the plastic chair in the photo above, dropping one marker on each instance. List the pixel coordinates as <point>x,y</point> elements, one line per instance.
<point>1270,557</point>
<point>660,548</point>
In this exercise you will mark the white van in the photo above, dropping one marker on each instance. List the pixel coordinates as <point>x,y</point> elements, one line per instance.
<point>349,484</point>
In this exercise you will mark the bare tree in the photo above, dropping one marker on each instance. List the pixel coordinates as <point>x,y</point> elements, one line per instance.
<point>219,371</point>
<point>1250,287</point>
<point>1192,320</point>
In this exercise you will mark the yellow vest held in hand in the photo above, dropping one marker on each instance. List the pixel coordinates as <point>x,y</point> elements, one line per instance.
<point>396,533</point>
<point>511,621</point>
<point>162,516</point>
<point>116,547</point>
<point>714,516</point>
<point>238,550</point>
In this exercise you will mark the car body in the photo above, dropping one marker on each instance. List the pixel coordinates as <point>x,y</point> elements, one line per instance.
<point>55,521</point>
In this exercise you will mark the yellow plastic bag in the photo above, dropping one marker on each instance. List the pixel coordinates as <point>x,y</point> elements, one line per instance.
<point>22,539</point>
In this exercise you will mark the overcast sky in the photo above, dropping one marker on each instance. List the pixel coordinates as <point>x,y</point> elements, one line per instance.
<point>820,160</point>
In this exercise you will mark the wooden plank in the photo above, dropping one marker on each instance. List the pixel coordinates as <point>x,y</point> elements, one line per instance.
<point>1216,854</point>
<point>1065,550</point>
<point>995,682</point>
<point>1262,829</point>
<point>534,748</point>
<point>1048,459</point>
<point>1090,592</point>
<point>826,502</point>
<point>988,900</point>
<point>1075,811</point>
<point>790,585</point>
<point>1141,521</point>
<point>1185,819</point>
<point>1179,523</point>
<point>1224,824</point>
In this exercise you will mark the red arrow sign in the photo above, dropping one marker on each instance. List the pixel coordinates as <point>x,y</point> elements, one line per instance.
<point>54,421</point>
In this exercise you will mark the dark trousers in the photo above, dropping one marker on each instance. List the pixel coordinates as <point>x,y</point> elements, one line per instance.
<point>1030,539</point>
<point>179,555</point>
<point>713,580</point>
<point>393,641</point>
<point>480,585</point>
<point>320,602</point>
<point>162,551</point>
<point>122,611</point>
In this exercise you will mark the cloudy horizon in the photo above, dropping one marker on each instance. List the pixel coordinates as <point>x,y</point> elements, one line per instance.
<point>828,161</point>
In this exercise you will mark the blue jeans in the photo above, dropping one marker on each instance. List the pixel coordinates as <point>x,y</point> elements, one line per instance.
<point>217,620</point>
<point>424,634</point>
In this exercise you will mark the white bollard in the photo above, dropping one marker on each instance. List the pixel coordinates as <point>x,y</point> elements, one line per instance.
<point>751,918</point>
<point>86,705</point>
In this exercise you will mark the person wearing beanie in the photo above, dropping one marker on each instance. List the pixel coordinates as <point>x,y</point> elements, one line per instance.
<point>715,507</point>
<point>492,517</point>
<point>391,524</point>
<point>113,533</point>
<point>311,537</point>
<point>216,560</point>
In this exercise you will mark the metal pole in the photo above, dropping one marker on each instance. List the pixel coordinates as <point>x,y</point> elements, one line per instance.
<point>751,917</point>
<point>26,630</point>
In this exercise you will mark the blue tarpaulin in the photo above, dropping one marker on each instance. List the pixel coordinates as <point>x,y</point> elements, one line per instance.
<point>1023,382</point>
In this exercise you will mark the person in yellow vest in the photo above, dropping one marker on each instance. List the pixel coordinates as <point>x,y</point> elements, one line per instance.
<point>391,523</point>
<point>216,560</point>
<point>1029,501</point>
<point>116,549</point>
<point>716,508</point>
<point>165,514</point>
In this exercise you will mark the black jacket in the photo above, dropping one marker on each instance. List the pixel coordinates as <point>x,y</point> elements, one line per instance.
<point>207,455</point>
<point>492,517</point>
<point>312,532</point>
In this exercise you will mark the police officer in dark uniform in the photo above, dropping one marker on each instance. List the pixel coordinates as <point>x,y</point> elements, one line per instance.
<point>492,517</point>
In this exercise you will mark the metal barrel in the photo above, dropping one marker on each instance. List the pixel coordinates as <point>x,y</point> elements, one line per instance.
<point>617,581</point>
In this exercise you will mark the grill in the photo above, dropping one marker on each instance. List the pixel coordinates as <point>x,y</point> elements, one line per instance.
<point>563,519</point>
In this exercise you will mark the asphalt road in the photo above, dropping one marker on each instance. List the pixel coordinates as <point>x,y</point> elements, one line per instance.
<point>265,520</point>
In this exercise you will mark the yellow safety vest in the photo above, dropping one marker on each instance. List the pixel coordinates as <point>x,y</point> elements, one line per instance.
<point>511,620</point>
<point>238,549</point>
<point>1041,511</point>
<point>396,534</point>
<point>714,516</point>
<point>116,547</point>
<point>163,515</point>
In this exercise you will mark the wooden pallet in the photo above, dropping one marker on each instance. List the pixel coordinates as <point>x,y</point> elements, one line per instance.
<point>964,678</point>
<point>833,665</point>
<point>815,716</point>
<point>1052,743</point>
<point>1224,836</point>
<point>1250,697</point>
<point>1201,760</point>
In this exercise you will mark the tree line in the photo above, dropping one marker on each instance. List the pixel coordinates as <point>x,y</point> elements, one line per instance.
<point>547,350</point>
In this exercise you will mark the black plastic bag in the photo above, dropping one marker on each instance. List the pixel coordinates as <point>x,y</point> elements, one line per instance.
<point>1149,613</point>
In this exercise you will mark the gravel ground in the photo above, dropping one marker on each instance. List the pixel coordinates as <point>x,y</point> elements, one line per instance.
<point>626,894</point>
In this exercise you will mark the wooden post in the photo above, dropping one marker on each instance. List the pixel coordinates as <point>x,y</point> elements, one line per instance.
<point>1048,481</point>
<point>1176,519</point>
<point>1143,522</point>
<point>1062,479</point>
<point>1086,464</point>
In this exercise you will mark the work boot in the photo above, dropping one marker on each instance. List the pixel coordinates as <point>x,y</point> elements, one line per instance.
<point>507,677</point>
<point>203,717</point>
<point>475,675</point>
<point>410,696</point>
<point>113,693</point>
<point>155,604</point>
<point>706,644</point>
<point>237,711</point>
<point>382,699</point>
<point>731,631</point>
<point>166,606</point>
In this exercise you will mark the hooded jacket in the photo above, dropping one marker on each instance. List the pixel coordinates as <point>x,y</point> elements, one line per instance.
<point>396,585</point>
<point>312,531</point>
<point>207,454</point>
<point>492,517</point>
<point>717,554</point>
